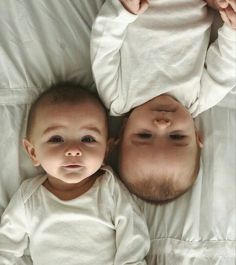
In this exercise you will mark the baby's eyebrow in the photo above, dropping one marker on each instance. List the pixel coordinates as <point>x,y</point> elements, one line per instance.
<point>53,128</point>
<point>58,127</point>
<point>92,128</point>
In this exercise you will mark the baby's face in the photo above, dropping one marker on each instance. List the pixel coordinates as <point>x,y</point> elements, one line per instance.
<point>159,134</point>
<point>69,140</point>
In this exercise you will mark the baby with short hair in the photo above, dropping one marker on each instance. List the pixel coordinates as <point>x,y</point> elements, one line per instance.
<point>77,212</point>
<point>160,136</point>
<point>160,74</point>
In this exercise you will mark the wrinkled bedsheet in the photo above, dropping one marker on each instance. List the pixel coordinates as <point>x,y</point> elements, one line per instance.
<point>45,41</point>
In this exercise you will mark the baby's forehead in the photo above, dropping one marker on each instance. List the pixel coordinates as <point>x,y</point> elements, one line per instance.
<point>152,159</point>
<point>47,112</point>
<point>167,168</point>
<point>51,105</point>
<point>170,159</point>
<point>47,106</point>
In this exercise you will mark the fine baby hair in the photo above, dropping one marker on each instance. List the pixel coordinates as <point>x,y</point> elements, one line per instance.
<point>160,186</point>
<point>62,92</point>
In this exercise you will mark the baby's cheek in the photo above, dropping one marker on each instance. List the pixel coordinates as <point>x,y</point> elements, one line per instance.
<point>50,156</point>
<point>96,160</point>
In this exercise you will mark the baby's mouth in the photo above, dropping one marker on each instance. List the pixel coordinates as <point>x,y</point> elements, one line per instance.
<point>72,166</point>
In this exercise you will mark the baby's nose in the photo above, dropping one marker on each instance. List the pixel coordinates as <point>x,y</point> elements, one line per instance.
<point>162,123</point>
<point>73,152</point>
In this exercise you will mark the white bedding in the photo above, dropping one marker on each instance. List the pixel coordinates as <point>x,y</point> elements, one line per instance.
<point>199,228</point>
<point>41,41</point>
<point>47,40</point>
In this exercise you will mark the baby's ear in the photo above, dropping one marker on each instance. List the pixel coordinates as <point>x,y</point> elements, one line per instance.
<point>29,148</point>
<point>199,138</point>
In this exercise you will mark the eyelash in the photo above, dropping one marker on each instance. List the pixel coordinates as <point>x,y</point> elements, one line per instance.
<point>58,139</point>
<point>88,139</point>
<point>177,137</point>
<point>144,135</point>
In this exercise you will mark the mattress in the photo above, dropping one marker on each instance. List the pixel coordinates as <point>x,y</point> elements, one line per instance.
<point>46,41</point>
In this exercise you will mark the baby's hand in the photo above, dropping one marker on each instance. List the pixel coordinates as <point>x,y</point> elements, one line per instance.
<point>227,9</point>
<point>228,12</point>
<point>136,7</point>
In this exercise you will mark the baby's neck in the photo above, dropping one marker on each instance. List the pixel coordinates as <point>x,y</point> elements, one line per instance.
<point>65,191</point>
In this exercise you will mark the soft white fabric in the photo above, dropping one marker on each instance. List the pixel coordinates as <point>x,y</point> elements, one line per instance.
<point>102,226</point>
<point>133,62</point>
<point>41,42</point>
<point>198,228</point>
<point>163,51</point>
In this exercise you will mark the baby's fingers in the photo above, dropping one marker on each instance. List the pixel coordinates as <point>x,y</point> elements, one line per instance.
<point>221,4</point>
<point>232,3</point>
<point>229,17</point>
<point>143,6</point>
<point>225,18</point>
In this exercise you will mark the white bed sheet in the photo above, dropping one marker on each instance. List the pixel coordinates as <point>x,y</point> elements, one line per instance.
<point>199,228</point>
<point>40,42</point>
<point>48,40</point>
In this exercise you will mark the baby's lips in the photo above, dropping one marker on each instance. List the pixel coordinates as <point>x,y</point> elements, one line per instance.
<point>72,166</point>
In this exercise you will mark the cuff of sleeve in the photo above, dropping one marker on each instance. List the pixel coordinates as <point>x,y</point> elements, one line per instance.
<point>228,32</point>
<point>122,14</point>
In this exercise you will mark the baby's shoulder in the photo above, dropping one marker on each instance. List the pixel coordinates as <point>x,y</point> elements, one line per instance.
<point>109,175</point>
<point>114,183</point>
<point>29,186</point>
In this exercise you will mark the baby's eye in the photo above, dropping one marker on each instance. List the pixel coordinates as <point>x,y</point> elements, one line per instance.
<point>56,139</point>
<point>88,139</point>
<point>144,135</point>
<point>177,137</point>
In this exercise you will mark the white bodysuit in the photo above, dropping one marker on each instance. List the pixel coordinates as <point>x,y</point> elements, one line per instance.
<point>103,226</point>
<point>135,59</point>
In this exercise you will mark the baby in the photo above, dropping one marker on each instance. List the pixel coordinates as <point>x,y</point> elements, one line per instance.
<point>153,71</point>
<point>77,212</point>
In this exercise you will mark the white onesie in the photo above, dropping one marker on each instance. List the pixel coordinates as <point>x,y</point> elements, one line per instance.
<point>135,59</point>
<point>103,226</point>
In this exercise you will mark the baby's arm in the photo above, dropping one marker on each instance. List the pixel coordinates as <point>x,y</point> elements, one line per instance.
<point>132,236</point>
<point>219,74</point>
<point>13,236</point>
<point>108,35</point>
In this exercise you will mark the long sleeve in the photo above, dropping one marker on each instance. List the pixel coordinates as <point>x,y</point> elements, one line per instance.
<point>219,74</point>
<point>13,235</point>
<point>108,34</point>
<point>132,237</point>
